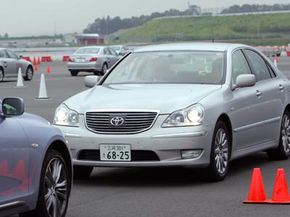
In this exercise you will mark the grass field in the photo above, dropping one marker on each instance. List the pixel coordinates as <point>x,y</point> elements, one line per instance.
<point>259,29</point>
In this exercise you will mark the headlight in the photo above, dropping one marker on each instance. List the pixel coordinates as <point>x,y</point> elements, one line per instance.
<point>191,116</point>
<point>65,116</point>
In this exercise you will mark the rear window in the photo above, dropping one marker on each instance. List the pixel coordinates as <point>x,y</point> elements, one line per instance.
<point>87,51</point>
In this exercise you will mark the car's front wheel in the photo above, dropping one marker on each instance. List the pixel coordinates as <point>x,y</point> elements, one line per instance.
<point>28,74</point>
<point>104,69</point>
<point>1,74</point>
<point>55,185</point>
<point>82,172</point>
<point>282,152</point>
<point>220,155</point>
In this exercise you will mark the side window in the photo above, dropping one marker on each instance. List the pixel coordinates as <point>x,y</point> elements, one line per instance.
<point>2,54</point>
<point>11,54</point>
<point>105,51</point>
<point>113,52</point>
<point>239,65</point>
<point>260,67</point>
<point>272,72</point>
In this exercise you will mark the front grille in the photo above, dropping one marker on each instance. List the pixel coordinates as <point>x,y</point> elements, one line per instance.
<point>133,122</point>
<point>136,155</point>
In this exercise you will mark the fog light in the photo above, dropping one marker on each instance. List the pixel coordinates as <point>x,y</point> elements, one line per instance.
<point>191,154</point>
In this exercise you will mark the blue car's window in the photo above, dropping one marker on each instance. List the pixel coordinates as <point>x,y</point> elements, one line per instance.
<point>205,67</point>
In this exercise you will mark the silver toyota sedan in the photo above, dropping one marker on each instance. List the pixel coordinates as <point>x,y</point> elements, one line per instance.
<point>96,59</point>
<point>190,104</point>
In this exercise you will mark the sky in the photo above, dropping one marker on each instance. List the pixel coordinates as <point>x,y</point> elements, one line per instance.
<point>39,17</point>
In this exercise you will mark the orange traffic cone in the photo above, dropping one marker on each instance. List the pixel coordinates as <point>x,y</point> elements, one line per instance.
<point>48,70</point>
<point>4,168</point>
<point>257,192</point>
<point>280,192</point>
<point>34,61</point>
<point>36,68</point>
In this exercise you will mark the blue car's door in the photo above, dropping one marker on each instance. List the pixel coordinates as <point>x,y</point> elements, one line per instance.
<point>14,160</point>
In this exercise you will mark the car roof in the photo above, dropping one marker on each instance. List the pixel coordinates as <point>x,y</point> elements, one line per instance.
<point>200,46</point>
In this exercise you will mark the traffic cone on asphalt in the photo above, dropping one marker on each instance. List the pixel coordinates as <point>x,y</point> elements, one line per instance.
<point>257,192</point>
<point>38,61</point>
<point>48,70</point>
<point>34,61</point>
<point>36,68</point>
<point>19,79</point>
<point>280,192</point>
<point>42,88</point>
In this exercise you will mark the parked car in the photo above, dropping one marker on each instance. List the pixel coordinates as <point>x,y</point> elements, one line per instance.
<point>190,104</point>
<point>35,164</point>
<point>120,49</point>
<point>10,64</point>
<point>96,59</point>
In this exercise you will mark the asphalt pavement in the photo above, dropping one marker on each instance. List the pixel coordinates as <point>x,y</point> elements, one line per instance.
<point>143,192</point>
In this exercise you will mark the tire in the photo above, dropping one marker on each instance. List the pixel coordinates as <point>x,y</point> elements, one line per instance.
<point>282,152</point>
<point>74,73</point>
<point>220,154</point>
<point>2,75</point>
<point>57,196</point>
<point>82,172</point>
<point>28,74</point>
<point>104,69</point>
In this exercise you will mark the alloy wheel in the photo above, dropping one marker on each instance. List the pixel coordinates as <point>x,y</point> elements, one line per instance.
<point>285,133</point>
<point>221,151</point>
<point>56,189</point>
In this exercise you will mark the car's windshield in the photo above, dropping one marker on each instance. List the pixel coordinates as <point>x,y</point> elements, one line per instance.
<point>206,67</point>
<point>87,50</point>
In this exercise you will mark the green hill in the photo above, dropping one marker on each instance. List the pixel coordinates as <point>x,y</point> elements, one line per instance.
<point>255,29</point>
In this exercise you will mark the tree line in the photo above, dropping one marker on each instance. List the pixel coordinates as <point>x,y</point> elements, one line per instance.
<point>108,25</point>
<point>246,8</point>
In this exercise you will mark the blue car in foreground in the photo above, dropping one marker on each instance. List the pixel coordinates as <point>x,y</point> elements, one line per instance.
<point>35,164</point>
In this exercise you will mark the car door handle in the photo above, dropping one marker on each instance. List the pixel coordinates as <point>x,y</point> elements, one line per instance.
<point>281,87</point>
<point>258,93</point>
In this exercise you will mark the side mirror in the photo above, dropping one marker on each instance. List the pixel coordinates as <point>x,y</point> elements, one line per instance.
<point>12,106</point>
<point>245,80</point>
<point>91,80</point>
<point>20,57</point>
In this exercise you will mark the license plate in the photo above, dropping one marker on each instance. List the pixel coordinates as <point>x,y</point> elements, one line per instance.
<point>80,60</point>
<point>115,152</point>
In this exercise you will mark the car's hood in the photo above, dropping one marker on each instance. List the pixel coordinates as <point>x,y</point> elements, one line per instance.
<point>165,98</point>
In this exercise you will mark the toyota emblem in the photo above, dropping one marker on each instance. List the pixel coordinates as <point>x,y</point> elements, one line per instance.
<point>117,121</point>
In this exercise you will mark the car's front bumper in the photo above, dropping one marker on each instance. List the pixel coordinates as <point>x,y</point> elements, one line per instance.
<point>166,143</point>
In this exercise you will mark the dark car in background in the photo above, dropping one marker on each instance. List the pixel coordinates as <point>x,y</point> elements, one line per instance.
<point>35,164</point>
<point>96,59</point>
<point>10,64</point>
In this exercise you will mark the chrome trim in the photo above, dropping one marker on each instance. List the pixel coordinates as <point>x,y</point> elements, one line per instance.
<point>72,135</point>
<point>12,205</point>
<point>179,135</point>
<point>121,110</point>
<point>272,120</point>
